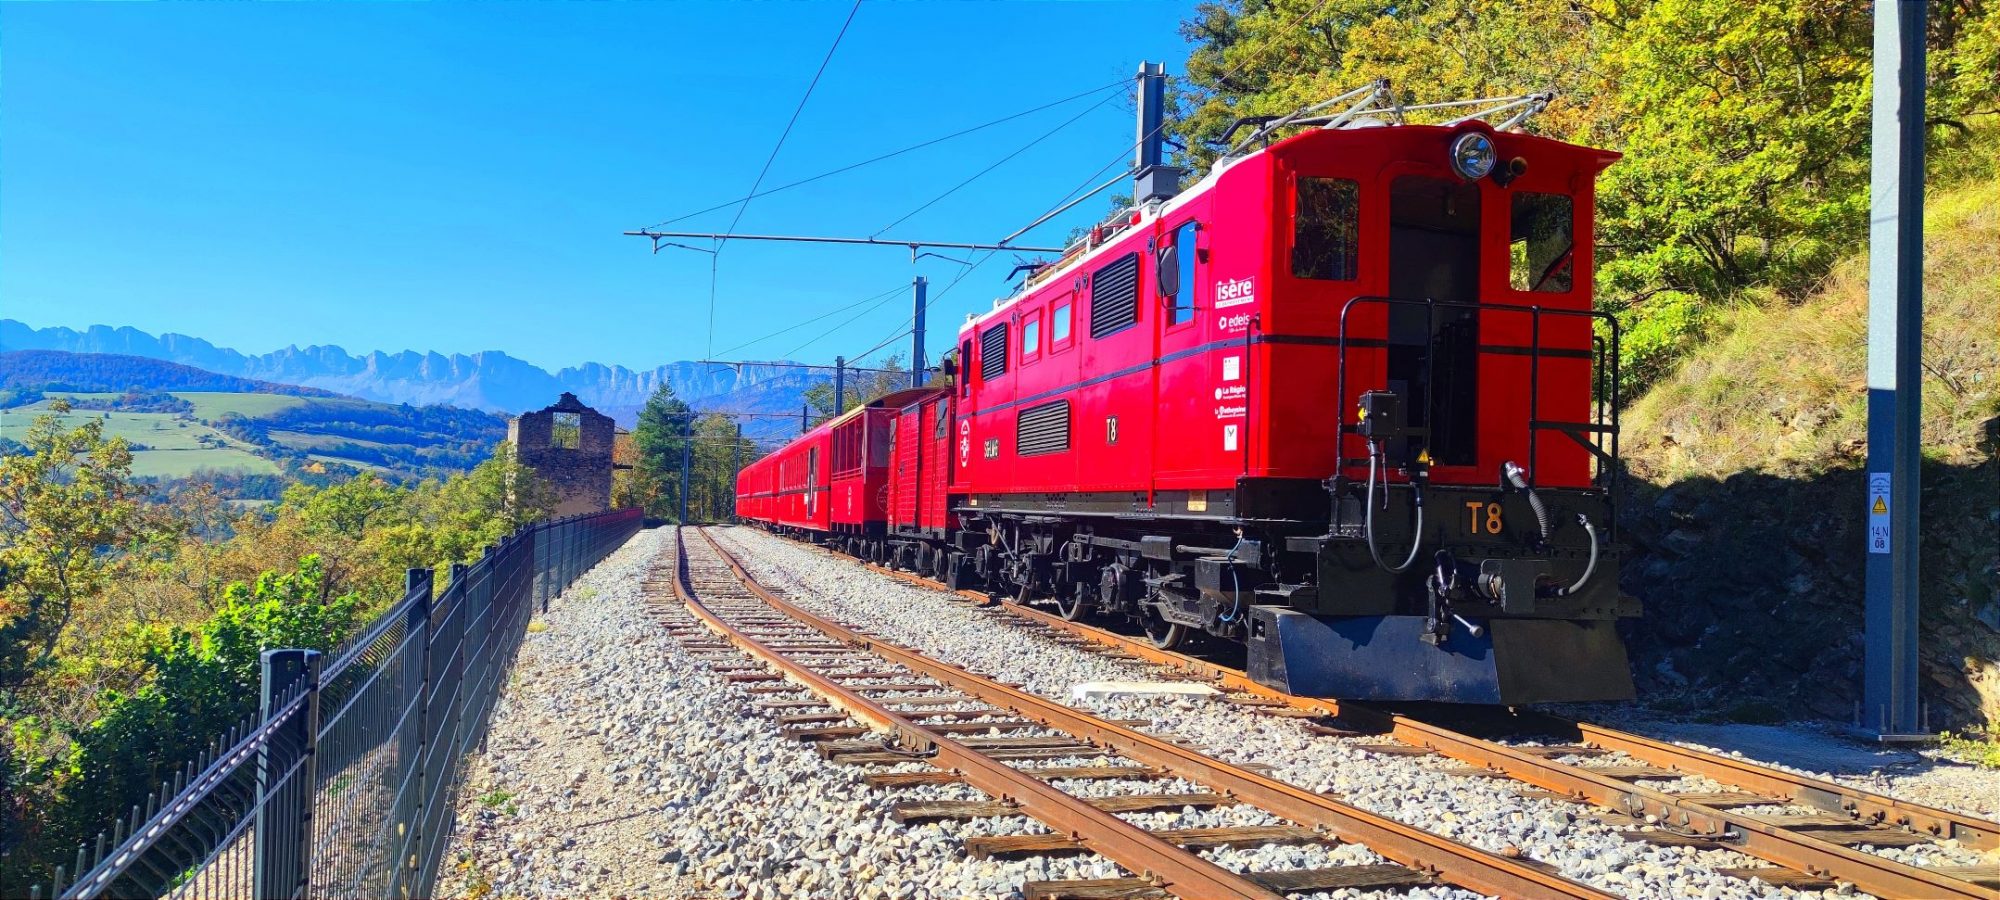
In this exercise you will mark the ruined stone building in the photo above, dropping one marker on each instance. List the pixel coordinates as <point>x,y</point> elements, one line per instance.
<point>569,446</point>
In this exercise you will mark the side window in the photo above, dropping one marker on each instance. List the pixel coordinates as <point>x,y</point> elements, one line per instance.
<point>993,352</point>
<point>1031,336</point>
<point>1059,325</point>
<point>1114,297</point>
<point>965,368</point>
<point>1326,229</point>
<point>1176,276</point>
<point>1542,243</point>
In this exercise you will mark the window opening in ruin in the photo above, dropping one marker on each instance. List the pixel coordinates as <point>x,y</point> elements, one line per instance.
<point>566,431</point>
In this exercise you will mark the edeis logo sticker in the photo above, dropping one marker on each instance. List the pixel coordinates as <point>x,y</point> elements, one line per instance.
<point>1235,292</point>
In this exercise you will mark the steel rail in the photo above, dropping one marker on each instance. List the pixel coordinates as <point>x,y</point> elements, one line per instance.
<point>1416,848</point>
<point>1184,873</point>
<point>1875,874</point>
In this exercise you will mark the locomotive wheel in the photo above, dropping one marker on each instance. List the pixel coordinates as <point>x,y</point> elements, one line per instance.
<point>941,566</point>
<point>1076,605</point>
<point>1164,634</point>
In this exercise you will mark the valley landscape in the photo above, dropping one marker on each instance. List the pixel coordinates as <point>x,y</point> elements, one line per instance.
<point>190,408</point>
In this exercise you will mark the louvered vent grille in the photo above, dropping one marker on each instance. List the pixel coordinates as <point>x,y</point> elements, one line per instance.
<point>1114,296</point>
<point>993,352</point>
<point>1042,429</point>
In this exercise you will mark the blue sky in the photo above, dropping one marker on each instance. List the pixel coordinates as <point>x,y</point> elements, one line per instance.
<point>455,176</point>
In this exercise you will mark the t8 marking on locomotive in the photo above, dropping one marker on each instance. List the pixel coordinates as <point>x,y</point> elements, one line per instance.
<point>1358,414</point>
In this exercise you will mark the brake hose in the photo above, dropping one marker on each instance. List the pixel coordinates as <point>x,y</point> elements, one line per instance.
<point>1368,515</point>
<point>1235,584</point>
<point>1589,568</point>
<point>1518,477</point>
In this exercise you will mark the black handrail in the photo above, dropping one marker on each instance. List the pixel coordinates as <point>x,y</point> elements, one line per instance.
<point>1607,475</point>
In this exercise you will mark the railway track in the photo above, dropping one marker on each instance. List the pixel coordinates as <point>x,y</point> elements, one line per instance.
<point>1811,843</point>
<point>868,702</point>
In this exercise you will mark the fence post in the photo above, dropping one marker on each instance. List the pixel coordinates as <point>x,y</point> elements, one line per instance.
<point>420,586</point>
<point>541,594</point>
<point>282,850</point>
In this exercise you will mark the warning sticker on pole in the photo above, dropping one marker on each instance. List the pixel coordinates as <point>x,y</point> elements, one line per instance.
<point>1878,512</point>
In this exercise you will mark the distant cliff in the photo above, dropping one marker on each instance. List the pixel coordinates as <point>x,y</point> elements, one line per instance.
<point>489,380</point>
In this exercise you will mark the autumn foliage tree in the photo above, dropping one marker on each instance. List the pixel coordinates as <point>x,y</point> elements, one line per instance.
<point>1744,123</point>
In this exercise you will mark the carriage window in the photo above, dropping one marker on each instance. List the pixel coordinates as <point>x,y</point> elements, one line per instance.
<point>1543,243</point>
<point>1181,292</point>
<point>1059,324</point>
<point>1326,229</point>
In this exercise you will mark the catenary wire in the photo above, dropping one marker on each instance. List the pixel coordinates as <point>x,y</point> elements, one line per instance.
<point>744,206</point>
<point>825,315</point>
<point>794,120</point>
<point>829,332</point>
<point>996,164</point>
<point>889,155</point>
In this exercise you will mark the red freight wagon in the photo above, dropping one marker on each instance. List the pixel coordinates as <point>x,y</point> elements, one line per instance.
<point>1345,399</point>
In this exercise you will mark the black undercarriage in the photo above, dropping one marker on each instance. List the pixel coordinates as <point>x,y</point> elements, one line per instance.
<point>1498,567</point>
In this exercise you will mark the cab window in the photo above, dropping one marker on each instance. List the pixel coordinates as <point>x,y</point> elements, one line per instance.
<point>1059,325</point>
<point>1031,336</point>
<point>1177,284</point>
<point>1543,243</point>
<point>1326,229</point>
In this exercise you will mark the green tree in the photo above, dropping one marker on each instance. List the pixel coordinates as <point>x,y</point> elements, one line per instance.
<point>861,387</point>
<point>63,505</point>
<point>718,449</point>
<point>1744,123</point>
<point>662,433</point>
<point>205,680</point>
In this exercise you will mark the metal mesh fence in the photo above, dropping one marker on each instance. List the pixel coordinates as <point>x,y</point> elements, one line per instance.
<point>343,784</point>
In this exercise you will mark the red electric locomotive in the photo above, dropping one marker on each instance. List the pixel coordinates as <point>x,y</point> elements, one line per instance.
<point>1345,400</point>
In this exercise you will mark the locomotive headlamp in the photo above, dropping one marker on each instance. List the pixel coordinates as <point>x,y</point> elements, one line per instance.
<point>1472,155</point>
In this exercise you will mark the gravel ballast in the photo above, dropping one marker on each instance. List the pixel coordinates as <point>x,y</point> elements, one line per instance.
<point>617,766</point>
<point>1489,813</point>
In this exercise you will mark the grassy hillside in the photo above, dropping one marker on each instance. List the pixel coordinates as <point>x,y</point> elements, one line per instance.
<point>174,446</point>
<point>1748,520</point>
<point>261,439</point>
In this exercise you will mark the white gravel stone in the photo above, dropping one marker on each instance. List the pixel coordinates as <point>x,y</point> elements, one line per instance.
<point>1488,813</point>
<point>618,766</point>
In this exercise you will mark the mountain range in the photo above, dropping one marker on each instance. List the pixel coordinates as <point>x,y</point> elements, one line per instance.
<point>489,380</point>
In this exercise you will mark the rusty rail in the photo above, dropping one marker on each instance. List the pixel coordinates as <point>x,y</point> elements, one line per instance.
<point>1186,874</point>
<point>1875,874</point>
<point>1448,860</point>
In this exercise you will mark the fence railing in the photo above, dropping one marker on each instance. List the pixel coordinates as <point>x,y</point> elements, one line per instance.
<point>343,786</point>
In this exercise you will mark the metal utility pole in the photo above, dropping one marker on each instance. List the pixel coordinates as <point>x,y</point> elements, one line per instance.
<point>805,417</point>
<point>1895,379</point>
<point>735,468</point>
<point>839,385</point>
<point>917,335</point>
<point>687,452</point>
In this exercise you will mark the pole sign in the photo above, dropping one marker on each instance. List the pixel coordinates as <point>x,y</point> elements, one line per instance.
<point>1878,512</point>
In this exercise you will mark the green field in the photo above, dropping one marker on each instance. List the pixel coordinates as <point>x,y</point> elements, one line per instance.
<point>211,405</point>
<point>174,445</point>
<point>306,441</point>
<point>313,429</point>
